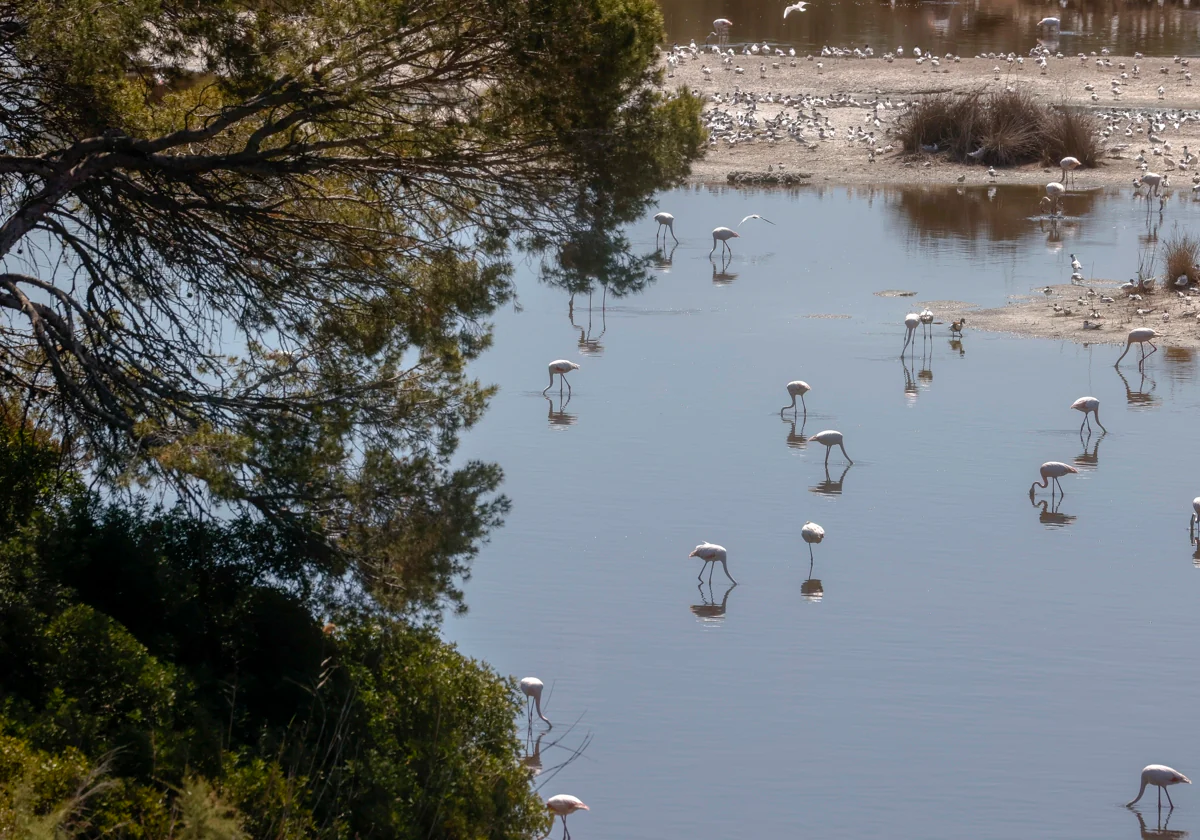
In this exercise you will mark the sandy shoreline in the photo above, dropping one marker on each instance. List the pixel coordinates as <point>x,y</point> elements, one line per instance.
<point>848,88</point>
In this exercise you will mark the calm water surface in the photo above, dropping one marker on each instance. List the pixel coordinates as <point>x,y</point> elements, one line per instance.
<point>1167,27</point>
<point>961,663</point>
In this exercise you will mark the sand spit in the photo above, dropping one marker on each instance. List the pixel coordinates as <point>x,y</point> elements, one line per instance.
<point>849,87</point>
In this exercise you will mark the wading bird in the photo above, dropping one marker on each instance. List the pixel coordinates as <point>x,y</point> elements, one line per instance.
<point>956,326</point>
<point>1055,192</point>
<point>562,805</point>
<point>795,7</point>
<point>1088,405</point>
<point>1069,164</point>
<point>1141,337</point>
<point>531,687</point>
<point>927,320</point>
<point>1152,180</point>
<point>1161,777</point>
<point>1195,515</point>
<point>711,553</point>
<point>830,438</point>
<point>911,321</point>
<point>561,367</point>
<point>723,234</point>
<point>1052,471</point>
<point>721,27</point>
<point>665,220</point>
<point>1049,23</point>
<point>798,388</point>
<point>812,533</point>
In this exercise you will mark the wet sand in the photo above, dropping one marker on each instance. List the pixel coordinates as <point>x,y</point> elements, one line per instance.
<point>1060,313</point>
<point>865,80</point>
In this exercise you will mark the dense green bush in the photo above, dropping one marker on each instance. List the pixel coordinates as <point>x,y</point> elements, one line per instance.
<point>159,672</point>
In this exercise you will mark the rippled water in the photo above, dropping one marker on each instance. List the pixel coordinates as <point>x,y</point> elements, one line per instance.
<point>960,662</point>
<point>967,28</point>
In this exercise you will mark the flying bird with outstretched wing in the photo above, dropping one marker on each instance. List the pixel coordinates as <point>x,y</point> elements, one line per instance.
<point>755,216</point>
<point>795,7</point>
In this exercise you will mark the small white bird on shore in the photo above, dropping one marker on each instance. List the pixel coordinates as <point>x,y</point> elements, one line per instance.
<point>561,367</point>
<point>1076,265</point>
<point>531,687</point>
<point>711,553</point>
<point>562,805</point>
<point>1161,777</point>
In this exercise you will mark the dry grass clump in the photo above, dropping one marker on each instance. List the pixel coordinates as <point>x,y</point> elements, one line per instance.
<point>1010,128</point>
<point>1181,250</point>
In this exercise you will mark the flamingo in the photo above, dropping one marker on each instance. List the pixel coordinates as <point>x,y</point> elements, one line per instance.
<point>1088,405</point>
<point>560,806</point>
<point>720,31</point>
<point>711,553</point>
<point>911,320</point>
<point>1154,181</point>
<point>1161,777</point>
<point>1050,22</point>
<point>831,438</point>
<point>665,220</point>
<point>1195,515</point>
<point>1055,191</point>
<point>927,319</point>
<point>795,7</point>
<point>531,687</point>
<point>1141,336</point>
<point>812,533</point>
<point>1069,164</point>
<point>562,367</point>
<point>1052,471</point>
<point>724,234</point>
<point>797,388</point>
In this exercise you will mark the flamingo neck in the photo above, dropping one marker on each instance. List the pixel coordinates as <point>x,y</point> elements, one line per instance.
<point>537,704</point>
<point>1141,790</point>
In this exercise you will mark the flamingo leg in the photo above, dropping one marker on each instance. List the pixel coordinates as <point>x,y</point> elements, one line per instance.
<point>700,577</point>
<point>712,568</point>
<point>810,558</point>
<point>1168,793</point>
<point>726,568</point>
<point>1081,425</point>
<point>827,448</point>
<point>801,403</point>
<point>566,833</point>
<point>842,446</point>
<point>563,377</point>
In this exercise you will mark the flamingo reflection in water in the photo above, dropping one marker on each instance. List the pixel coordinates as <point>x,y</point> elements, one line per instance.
<point>910,384</point>
<point>796,440</point>
<point>1160,831</point>
<point>1086,460</point>
<point>560,419</point>
<point>1049,513</point>
<point>589,346</point>
<point>723,277</point>
<point>831,486</point>
<point>812,590</point>
<point>708,610</point>
<point>1142,397</point>
<point>663,260</point>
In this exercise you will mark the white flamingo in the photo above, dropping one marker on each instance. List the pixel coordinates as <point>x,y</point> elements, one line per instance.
<point>812,533</point>
<point>1195,515</point>
<point>927,320</point>
<point>911,321</point>
<point>1141,337</point>
<point>1088,405</point>
<point>1049,23</point>
<point>1054,195</point>
<point>1052,471</point>
<point>531,687</point>
<point>1069,164</point>
<point>560,806</point>
<point>665,220</point>
<point>723,234</point>
<point>798,388</point>
<point>831,438</point>
<point>561,367</point>
<point>711,553</point>
<point>1153,180</point>
<point>1161,777</point>
<point>721,27</point>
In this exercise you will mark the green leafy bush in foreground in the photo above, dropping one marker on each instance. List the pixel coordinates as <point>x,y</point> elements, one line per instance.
<point>166,677</point>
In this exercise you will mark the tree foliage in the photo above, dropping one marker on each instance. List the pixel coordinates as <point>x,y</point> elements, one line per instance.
<point>250,248</point>
<point>168,677</point>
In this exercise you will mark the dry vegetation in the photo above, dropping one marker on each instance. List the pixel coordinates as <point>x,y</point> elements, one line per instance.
<point>1010,128</point>
<point>1181,250</point>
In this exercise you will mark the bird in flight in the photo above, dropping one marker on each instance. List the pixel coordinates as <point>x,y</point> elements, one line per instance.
<point>755,216</point>
<point>795,7</point>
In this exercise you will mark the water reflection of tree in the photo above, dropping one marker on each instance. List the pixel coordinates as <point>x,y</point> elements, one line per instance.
<point>968,213</point>
<point>598,259</point>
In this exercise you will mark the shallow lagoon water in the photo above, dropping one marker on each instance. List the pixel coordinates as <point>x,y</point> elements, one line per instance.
<point>969,663</point>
